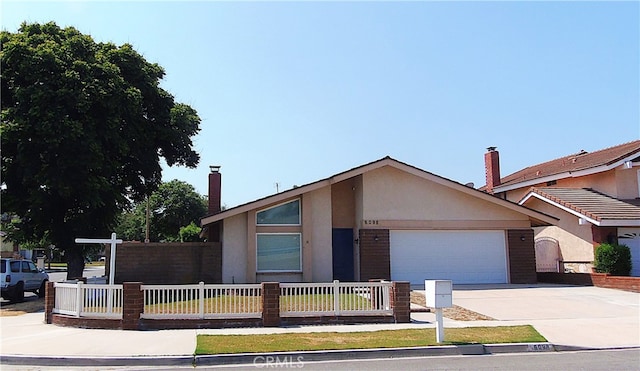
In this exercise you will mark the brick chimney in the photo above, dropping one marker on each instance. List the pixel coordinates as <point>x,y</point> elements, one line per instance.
<point>213,231</point>
<point>215,187</point>
<point>492,168</point>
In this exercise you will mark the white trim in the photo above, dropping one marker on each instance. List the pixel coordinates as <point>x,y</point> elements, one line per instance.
<point>553,203</point>
<point>278,205</point>
<point>583,219</point>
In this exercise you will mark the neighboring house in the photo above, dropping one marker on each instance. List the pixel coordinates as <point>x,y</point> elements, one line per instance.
<point>8,249</point>
<point>383,220</point>
<point>594,195</point>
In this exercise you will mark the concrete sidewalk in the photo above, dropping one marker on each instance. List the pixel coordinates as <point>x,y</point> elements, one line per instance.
<point>578,316</point>
<point>583,317</point>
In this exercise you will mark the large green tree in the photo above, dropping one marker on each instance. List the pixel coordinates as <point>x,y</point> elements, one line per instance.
<point>175,205</point>
<point>84,125</point>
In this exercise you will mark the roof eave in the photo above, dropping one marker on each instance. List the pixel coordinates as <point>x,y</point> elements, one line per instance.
<point>537,218</point>
<point>279,197</point>
<point>600,222</point>
<point>566,174</point>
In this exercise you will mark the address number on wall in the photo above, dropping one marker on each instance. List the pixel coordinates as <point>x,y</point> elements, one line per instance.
<point>370,222</point>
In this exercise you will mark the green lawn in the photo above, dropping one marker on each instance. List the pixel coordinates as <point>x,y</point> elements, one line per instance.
<point>227,344</point>
<point>243,304</point>
<point>64,265</point>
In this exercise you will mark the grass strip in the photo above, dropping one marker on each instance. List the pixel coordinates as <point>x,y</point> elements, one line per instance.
<point>232,344</point>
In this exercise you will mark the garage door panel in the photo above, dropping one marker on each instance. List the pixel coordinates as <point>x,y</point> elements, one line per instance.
<point>461,256</point>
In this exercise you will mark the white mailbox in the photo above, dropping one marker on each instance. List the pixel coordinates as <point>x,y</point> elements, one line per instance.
<point>438,293</point>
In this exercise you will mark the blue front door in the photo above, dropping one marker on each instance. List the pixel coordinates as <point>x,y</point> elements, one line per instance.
<point>342,254</point>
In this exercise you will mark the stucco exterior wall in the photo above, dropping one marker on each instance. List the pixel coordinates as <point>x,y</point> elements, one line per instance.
<point>395,195</point>
<point>619,183</point>
<point>343,207</point>
<point>574,239</point>
<point>234,249</point>
<point>627,181</point>
<point>316,235</point>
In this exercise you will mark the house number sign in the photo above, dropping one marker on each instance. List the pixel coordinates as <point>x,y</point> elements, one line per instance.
<point>370,222</point>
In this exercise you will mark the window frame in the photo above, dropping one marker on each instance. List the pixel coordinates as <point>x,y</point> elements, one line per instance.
<point>280,270</point>
<point>278,205</point>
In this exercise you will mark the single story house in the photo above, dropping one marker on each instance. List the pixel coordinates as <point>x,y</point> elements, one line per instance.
<point>382,220</point>
<point>594,195</point>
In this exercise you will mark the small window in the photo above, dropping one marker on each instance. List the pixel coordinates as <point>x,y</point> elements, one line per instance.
<point>279,252</point>
<point>15,266</point>
<point>283,214</point>
<point>4,266</point>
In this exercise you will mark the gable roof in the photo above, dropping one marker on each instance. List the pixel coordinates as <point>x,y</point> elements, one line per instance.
<point>536,217</point>
<point>577,164</point>
<point>587,204</point>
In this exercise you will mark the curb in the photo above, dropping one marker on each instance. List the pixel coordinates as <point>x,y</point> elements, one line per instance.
<point>53,361</point>
<point>265,359</point>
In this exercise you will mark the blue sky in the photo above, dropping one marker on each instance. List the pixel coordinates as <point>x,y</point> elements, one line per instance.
<point>293,92</point>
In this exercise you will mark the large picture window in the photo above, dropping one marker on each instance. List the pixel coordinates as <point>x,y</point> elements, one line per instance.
<point>283,214</point>
<point>279,252</point>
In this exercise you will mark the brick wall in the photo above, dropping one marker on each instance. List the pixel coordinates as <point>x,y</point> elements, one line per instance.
<point>522,256</point>
<point>49,302</point>
<point>375,262</point>
<point>401,302</point>
<point>592,279</point>
<point>168,263</point>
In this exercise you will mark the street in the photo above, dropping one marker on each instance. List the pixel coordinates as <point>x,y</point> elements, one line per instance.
<point>89,271</point>
<point>624,359</point>
<point>620,360</point>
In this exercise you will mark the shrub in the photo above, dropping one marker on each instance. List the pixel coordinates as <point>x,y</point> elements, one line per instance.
<point>190,233</point>
<point>613,259</point>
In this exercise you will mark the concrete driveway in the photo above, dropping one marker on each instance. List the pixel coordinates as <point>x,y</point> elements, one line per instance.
<point>591,317</point>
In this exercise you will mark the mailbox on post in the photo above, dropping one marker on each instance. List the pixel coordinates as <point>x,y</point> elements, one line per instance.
<point>438,295</point>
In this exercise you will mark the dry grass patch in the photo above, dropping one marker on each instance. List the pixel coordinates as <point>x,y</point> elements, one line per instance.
<point>456,313</point>
<point>226,344</point>
<point>31,304</point>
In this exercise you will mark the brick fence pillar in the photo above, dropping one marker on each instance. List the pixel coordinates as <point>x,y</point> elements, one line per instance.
<point>401,302</point>
<point>132,305</point>
<point>49,301</point>
<point>270,304</point>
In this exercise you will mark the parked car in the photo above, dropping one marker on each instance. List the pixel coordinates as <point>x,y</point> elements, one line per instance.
<point>18,276</point>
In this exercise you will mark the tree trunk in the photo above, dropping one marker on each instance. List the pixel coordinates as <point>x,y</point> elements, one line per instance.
<point>75,262</point>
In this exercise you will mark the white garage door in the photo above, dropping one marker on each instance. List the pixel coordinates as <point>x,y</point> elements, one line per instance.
<point>465,257</point>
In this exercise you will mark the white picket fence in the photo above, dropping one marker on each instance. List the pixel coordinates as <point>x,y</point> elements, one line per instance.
<point>335,298</point>
<point>202,301</point>
<point>88,300</point>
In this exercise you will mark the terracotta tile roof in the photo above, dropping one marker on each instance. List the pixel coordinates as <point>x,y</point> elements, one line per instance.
<point>590,203</point>
<point>578,161</point>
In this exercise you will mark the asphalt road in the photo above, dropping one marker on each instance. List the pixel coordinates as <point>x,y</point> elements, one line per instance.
<point>619,360</point>
<point>57,276</point>
<point>627,359</point>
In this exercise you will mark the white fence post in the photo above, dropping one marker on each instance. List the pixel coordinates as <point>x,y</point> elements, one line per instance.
<point>79,298</point>
<point>201,299</point>
<point>336,297</point>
